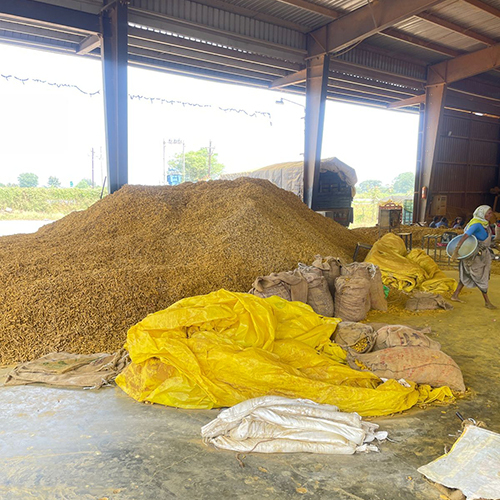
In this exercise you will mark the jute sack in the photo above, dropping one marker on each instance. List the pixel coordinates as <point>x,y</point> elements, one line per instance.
<point>377,295</point>
<point>318,294</point>
<point>357,270</point>
<point>402,336</point>
<point>330,267</point>
<point>70,370</point>
<point>352,298</point>
<point>286,285</point>
<point>372,273</point>
<point>426,301</point>
<point>417,364</point>
<point>357,336</point>
<point>266,286</point>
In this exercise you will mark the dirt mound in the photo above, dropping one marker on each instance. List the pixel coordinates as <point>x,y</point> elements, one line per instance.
<point>78,284</point>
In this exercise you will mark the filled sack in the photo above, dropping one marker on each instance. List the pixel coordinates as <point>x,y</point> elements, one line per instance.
<point>357,336</point>
<point>330,267</point>
<point>352,298</point>
<point>287,285</point>
<point>402,336</point>
<point>372,273</point>
<point>417,364</point>
<point>318,294</point>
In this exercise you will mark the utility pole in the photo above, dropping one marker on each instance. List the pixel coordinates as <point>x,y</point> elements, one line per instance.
<point>164,167</point>
<point>210,152</point>
<point>100,162</point>
<point>183,161</point>
<point>180,141</point>
<point>93,154</point>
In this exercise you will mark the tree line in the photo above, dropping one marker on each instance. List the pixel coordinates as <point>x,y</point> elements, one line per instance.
<point>403,184</point>
<point>30,180</point>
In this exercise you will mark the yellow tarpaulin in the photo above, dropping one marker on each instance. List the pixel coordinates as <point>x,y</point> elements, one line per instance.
<point>407,271</point>
<point>223,348</point>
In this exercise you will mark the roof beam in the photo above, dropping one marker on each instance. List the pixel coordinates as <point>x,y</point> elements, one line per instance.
<point>312,7</point>
<point>478,88</point>
<point>364,101</point>
<point>253,14</point>
<point>142,18</point>
<point>411,101</point>
<point>30,29</point>
<point>364,22</point>
<point>50,15</point>
<point>420,42</point>
<point>206,48</point>
<point>384,76</point>
<point>464,66</point>
<point>439,21</point>
<point>365,83</point>
<point>182,61</point>
<point>484,6</point>
<point>473,104</point>
<point>187,56</point>
<point>292,79</point>
<point>400,35</point>
<point>376,92</point>
<point>196,72</point>
<point>88,45</point>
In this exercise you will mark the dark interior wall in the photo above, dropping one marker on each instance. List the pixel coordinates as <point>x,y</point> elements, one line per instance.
<point>467,162</point>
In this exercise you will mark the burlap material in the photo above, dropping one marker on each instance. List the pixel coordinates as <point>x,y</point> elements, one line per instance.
<point>70,370</point>
<point>426,301</point>
<point>330,266</point>
<point>352,298</point>
<point>357,336</point>
<point>416,364</point>
<point>402,336</point>
<point>286,285</point>
<point>372,273</point>
<point>318,294</point>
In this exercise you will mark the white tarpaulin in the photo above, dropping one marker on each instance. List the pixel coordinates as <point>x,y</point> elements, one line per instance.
<point>290,175</point>
<point>472,465</point>
<point>273,424</point>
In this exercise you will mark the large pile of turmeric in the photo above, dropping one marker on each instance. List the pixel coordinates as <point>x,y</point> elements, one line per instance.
<point>78,284</point>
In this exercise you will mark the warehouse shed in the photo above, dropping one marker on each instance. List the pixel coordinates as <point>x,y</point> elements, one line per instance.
<point>438,58</point>
<point>173,265</point>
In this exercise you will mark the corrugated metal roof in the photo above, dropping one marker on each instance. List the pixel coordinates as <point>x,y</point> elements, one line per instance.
<point>433,33</point>
<point>399,48</point>
<point>249,31</point>
<point>466,15</point>
<point>282,10</point>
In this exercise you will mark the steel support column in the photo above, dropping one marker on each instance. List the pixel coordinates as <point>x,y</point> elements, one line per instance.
<point>434,105</point>
<point>316,90</point>
<point>418,169</point>
<point>114,56</point>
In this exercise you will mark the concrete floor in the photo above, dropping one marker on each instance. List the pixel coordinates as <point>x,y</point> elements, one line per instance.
<point>74,444</point>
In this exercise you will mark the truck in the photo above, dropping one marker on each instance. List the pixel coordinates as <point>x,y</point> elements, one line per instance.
<point>335,192</point>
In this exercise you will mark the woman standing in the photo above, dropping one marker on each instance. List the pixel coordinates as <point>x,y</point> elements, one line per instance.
<point>475,270</point>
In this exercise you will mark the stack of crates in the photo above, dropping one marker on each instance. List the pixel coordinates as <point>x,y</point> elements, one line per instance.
<point>334,198</point>
<point>333,193</point>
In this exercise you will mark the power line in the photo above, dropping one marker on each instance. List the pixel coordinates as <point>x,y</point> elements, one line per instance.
<point>152,100</point>
<point>52,84</point>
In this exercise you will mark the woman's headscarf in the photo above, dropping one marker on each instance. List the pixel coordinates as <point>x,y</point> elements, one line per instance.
<point>480,212</point>
<point>479,216</point>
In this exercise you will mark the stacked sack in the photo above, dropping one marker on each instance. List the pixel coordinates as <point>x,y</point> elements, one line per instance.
<point>347,292</point>
<point>398,352</point>
<point>357,290</point>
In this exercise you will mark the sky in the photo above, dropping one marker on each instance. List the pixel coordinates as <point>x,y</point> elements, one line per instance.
<point>51,130</point>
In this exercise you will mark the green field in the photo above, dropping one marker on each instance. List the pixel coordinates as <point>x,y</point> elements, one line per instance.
<point>40,203</point>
